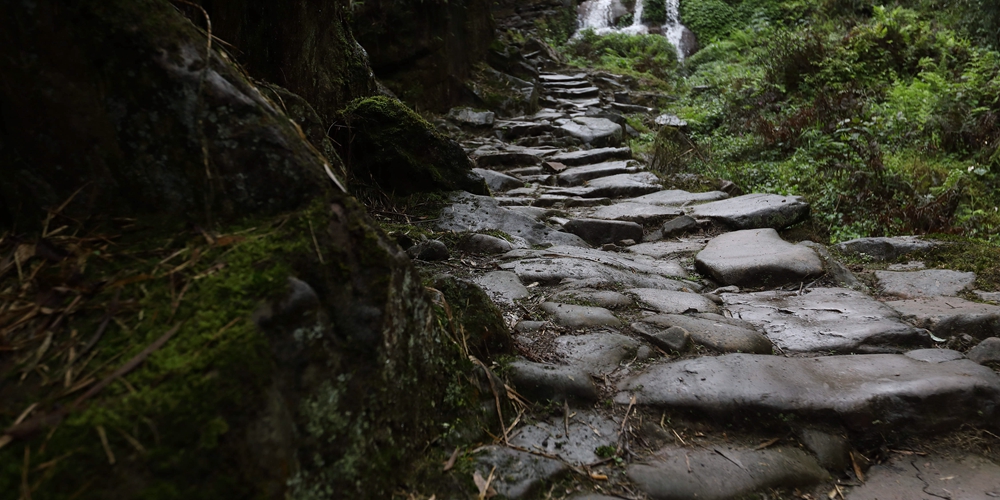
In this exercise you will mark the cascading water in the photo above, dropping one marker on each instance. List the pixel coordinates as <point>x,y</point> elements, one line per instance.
<point>599,16</point>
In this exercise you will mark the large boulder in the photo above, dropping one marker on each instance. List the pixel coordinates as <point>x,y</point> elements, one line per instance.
<point>386,144</point>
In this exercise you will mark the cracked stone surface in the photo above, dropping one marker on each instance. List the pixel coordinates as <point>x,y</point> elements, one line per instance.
<point>673,302</point>
<point>518,473</point>
<point>931,477</point>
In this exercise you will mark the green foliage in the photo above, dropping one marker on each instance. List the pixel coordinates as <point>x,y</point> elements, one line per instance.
<point>557,29</point>
<point>708,19</point>
<point>654,11</point>
<point>649,54</point>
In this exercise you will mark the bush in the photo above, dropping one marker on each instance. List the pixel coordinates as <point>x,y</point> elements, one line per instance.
<point>710,20</point>
<point>650,54</point>
<point>654,11</point>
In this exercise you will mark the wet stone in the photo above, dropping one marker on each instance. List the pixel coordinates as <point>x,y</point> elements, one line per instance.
<point>664,249</point>
<point>673,338</point>
<point>588,430</point>
<point>598,231</point>
<point>485,244</point>
<point>757,257</point>
<point>615,186</point>
<point>886,248</point>
<point>497,181</point>
<point>840,274</point>
<point>640,213</point>
<point>673,302</point>
<point>578,175</point>
<point>852,389</point>
<point>753,211</point>
<point>947,316</point>
<point>907,477</point>
<point>518,473</point>
<point>588,156</point>
<point>502,286</point>
<point>716,332</point>
<point>724,472</point>
<point>600,353</point>
<point>471,213</point>
<point>544,382</point>
<point>573,316</point>
<point>677,197</point>
<point>556,264</point>
<point>430,250</point>
<point>926,283</point>
<point>601,298</point>
<point>679,225</point>
<point>598,132</point>
<point>823,319</point>
<point>988,351</point>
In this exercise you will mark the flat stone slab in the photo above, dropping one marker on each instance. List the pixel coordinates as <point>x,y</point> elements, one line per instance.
<point>600,298</point>
<point>677,197</point>
<point>578,175</point>
<point>588,430</point>
<point>588,156</point>
<point>757,257</point>
<point>598,231</point>
<point>931,477</point>
<point>472,213</point>
<point>664,249</point>
<point>673,302</point>
<point>615,186</point>
<point>557,77</point>
<point>600,353</point>
<point>502,286</point>
<point>640,213</point>
<point>598,132</point>
<point>574,316</point>
<point>950,316</point>
<point>559,263</point>
<point>518,473</point>
<point>926,283</point>
<point>824,319</point>
<point>716,332</point>
<point>886,248</point>
<point>757,210</point>
<point>498,182</point>
<point>864,392</point>
<point>724,472</point>
<point>543,382</point>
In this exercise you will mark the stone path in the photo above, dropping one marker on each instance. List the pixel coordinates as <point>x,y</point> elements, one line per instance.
<point>678,347</point>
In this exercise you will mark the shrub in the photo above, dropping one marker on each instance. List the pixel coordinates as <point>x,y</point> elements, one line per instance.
<point>654,11</point>
<point>651,54</point>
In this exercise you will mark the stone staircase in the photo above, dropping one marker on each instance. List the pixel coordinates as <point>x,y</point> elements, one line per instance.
<point>685,350</point>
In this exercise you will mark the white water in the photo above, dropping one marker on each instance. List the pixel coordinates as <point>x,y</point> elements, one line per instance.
<point>596,15</point>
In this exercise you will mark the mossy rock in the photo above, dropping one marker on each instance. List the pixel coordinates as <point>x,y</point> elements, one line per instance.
<point>477,317</point>
<point>386,144</point>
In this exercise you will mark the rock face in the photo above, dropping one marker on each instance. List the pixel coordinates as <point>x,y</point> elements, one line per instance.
<point>389,145</point>
<point>825,319</point>
<point>757,257</point>
<point>856,390</point>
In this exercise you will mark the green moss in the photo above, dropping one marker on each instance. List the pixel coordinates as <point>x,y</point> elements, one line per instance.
<point>969,255</point>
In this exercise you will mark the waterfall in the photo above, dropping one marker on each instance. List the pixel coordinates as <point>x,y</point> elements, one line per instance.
<point>598,16</point>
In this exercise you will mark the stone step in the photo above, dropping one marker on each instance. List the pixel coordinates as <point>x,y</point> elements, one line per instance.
<point>614,186</point>
<point>573,93</point>
<point>576,176</point>
<point>596,267</point>
<point>589,156</point>
<point>925,390</point>
<point>757,258</point>
<point>567,84</point>
<point>555,77</point>
<point>757,210</point>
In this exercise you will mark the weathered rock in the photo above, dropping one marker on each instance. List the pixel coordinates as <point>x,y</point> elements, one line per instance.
<point>724,472</point>
<point>485,244</point>
<point>715,332</point>
<point>988,351</point>
<point>497,181</point>
<point>640,213</point>
<point>470,213</point>
<point>673,302</point>
<point>600,353</point>
<point>831,450</point>
<point>598,231</point>
<point>588,430</point>
<point>841,275</point>
<point>503,286</point>
<point>400,152</point>
<point>507,157</point>
<point>926,283</point>
<point>664,249</point>
<point>487,334</point>
<point>992,297</point>
<point>679,225</point>
<point>573,93</point>
<point>471,117</point>
<point>948,316</point>
<point>540,382</point>
<point>757,257</point>
<point>823,319</point>
<point>615,186</point>
<point>517,473</point>
<point>600,298</point>
<point>862,391</point>
<point>673,338</point>
<point>677,197</point>
<point>668,120</point>
<point>906,477</point>
<point>429,250</point>
<point>886,248</point>
<point>578,175</point>
<point>598,132</point>
<point>580,316</point>
<point>752,211</point>
<point>588,156</point>
<point>558,263</point>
